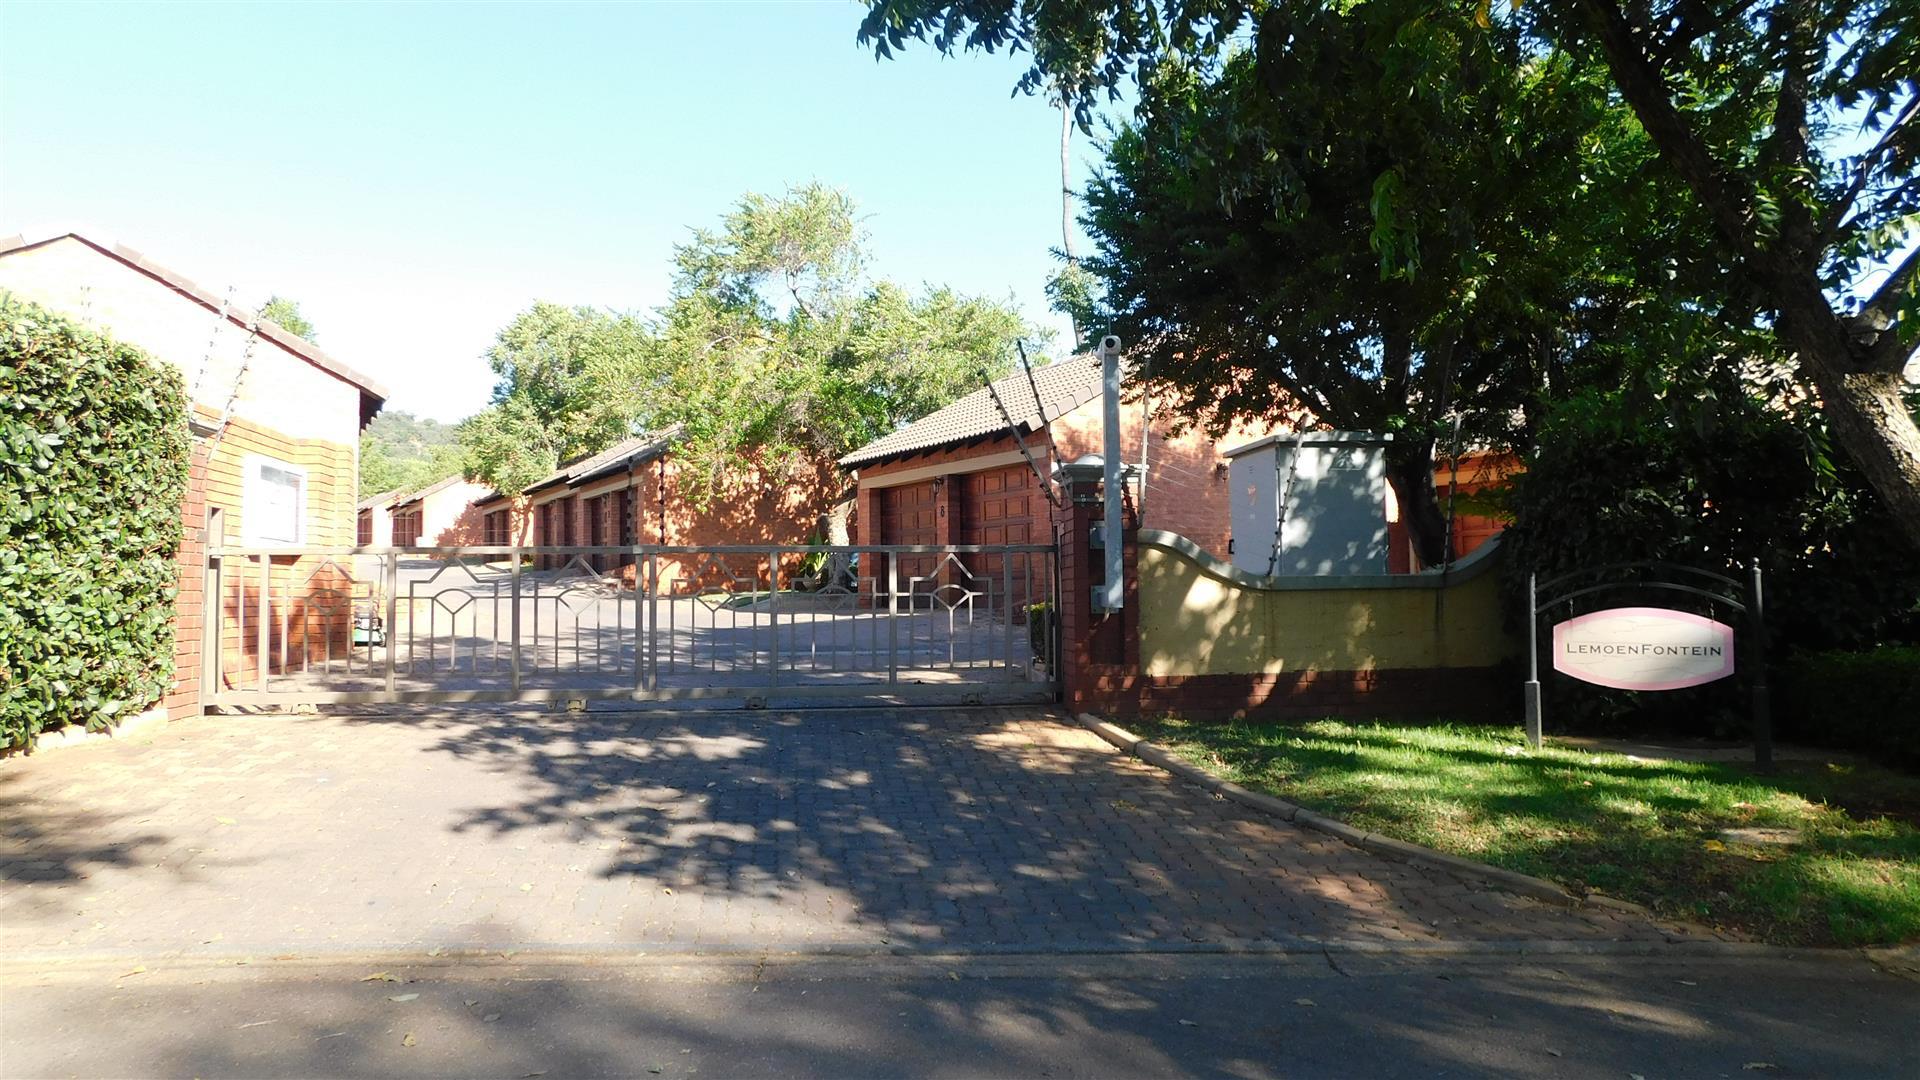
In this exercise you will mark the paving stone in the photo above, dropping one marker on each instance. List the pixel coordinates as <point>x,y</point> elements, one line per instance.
<point>485,828</point>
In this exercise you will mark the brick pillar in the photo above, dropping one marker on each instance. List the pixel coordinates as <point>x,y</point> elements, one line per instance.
<point>866,515</point>
<point>190,600</point>
<point>1099,651</point>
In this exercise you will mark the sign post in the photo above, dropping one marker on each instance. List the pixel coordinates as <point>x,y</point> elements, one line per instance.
<point>1650,648</point>
<point>1533,663</point>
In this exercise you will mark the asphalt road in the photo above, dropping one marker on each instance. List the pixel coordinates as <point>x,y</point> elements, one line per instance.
<point>1295,1015</point>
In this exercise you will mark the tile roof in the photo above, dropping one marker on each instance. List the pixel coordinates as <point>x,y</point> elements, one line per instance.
<point>269,329</point>
<point>372,502</point>
<point>642,447</point>
<point>417,494</point>
<point>1064,387</point>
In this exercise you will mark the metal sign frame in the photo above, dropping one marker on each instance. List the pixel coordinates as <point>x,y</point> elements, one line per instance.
<point>1746,598</point>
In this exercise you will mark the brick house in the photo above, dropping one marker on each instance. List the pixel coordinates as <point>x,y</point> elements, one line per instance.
<point>276,421</point>
<point>445,513</point>
<point>633,493</point>
<point>958,476</point>
<point>373,524</point>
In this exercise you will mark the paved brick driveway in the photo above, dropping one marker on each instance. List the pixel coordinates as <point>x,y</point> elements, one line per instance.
<point>966,829</point>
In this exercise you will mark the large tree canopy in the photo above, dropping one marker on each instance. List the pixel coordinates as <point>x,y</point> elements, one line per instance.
<point>774,343</point>
<point>1788,125</point>
<point>1309,233</point>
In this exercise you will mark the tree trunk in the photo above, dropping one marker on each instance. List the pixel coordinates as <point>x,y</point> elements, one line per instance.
<point>1871,422</point>
<point>1410,471</point>
<point>1859,383</point>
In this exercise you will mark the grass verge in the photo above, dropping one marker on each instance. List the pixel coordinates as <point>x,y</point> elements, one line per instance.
<point>1653,832</point>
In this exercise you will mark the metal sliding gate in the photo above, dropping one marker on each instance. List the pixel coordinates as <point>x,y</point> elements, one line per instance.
<point>745,624</point>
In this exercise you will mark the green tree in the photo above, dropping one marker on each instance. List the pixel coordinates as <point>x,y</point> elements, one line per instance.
<point>400,451</point>
<point>1790,124</point>
<point>568,381</point>
<point>773,343</point>
<point>1391,262</point>
<point>382,469</point>
<point>287,313</point>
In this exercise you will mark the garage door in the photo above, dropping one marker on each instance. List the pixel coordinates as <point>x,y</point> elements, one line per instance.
<point>997,506</point>
<point>908,516</point>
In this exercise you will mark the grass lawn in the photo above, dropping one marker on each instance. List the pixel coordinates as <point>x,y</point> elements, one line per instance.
<point>1646,831</point>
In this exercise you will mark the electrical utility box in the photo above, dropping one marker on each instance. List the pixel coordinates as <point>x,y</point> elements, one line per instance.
<point>1320,495</point>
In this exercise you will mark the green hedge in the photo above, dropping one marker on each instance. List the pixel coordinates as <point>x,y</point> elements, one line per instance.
<point>94,452</point>
<point>1865,701</point>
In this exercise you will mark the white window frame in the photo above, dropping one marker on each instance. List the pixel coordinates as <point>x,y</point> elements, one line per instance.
<point>253,493</point>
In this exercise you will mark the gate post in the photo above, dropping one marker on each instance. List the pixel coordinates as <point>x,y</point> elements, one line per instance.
<point>1099,653</point>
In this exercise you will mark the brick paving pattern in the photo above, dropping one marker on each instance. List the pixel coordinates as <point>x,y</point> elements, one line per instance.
<point>965,829</point>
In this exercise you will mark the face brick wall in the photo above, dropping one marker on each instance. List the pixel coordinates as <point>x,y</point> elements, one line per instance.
<point>318,617</point>
<point>757,508</point>
<point>1187,490</point>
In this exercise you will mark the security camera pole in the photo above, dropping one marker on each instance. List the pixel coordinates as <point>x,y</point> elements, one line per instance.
<point>1113,593</point>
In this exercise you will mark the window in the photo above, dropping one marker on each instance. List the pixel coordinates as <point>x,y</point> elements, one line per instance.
<point>406,528</point>
<point>274,507</point>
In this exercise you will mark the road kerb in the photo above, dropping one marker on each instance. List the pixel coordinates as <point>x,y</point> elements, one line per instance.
<point>1122,739</point>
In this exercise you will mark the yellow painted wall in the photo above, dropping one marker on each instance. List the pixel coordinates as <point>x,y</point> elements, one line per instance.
<point>1197,622</point>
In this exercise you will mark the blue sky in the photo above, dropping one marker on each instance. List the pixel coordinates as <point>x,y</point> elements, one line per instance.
<point>416,174</point>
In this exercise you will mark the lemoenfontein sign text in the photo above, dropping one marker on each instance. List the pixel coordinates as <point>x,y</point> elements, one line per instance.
<point>1643,648</point>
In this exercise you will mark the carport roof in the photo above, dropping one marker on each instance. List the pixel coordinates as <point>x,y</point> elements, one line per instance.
<point>1064,387</point>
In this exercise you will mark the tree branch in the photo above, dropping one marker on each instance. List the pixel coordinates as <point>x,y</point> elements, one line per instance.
<point>1646,92</point>
<point>1863,172</point>
<point>1694,21</point>
<point>1874,325</point>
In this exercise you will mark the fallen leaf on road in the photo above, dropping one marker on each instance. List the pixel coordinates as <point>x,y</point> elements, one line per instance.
<point>526,888</point>
<point>1188,1023</point>
<point>331,1035</point>
<point>1714,845</point>
<point>136,971</point>
<point>489,1018</point>
<point>224,820</point>
<point>534,1073</point>
<point>471,1002</point>
<point>1688,982</point>
<point>666,890</point>
<point>402,997</point>
<point>1755,1066</point>
<point>1555,1053</point>
<point>408,1039</point>
<point>1309,1002</point>
<point>379,976</point>
<point>256,1023</point>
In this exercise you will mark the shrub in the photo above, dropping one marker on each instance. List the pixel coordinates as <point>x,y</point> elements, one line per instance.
<point>1040,632</point>
<point>1865,701</point>
<point>94,452</point>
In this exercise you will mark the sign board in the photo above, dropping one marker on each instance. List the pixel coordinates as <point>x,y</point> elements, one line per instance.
<point>1643,648</point>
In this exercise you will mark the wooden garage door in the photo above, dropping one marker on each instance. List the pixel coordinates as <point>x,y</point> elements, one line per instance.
<point>997,506</point>
<point>908,515</point>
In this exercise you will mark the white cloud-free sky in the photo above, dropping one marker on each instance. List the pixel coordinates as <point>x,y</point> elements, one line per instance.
<point>415,174</point>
